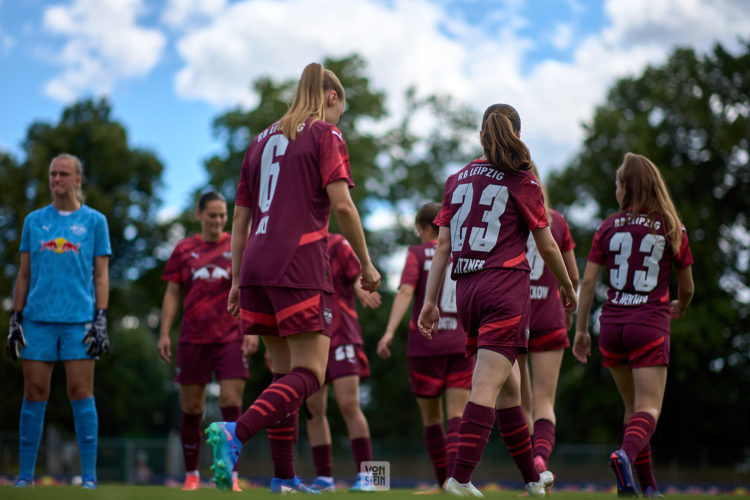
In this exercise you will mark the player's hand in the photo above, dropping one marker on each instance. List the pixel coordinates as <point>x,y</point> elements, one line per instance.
<point>233,303</point>
<point>249,345</point>
<point>569,298</point>
<point>428,320</point>
<point>96,335</point>
<point>370,279</point>
<point>384,345</point>
<point>674,310</point>
<point>367,299</point>
<point>582,346</point>
<point>16,340</point>
<point>165,348</point>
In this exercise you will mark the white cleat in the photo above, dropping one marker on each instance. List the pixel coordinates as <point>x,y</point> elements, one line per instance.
<point>453,487</point>
<point>541,487</point>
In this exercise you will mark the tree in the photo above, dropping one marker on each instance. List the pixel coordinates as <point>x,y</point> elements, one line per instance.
<point>690,117</point>
<point>121,182</point>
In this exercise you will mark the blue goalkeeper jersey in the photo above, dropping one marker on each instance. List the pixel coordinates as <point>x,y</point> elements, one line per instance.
<point>61,252</point>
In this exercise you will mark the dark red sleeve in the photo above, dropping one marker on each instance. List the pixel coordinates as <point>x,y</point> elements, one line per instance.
<point>531,203</point>
<point>443,218</point>
<point>685,257</point>
<point>243,197</point>
<point>596,255</point>
<point>173,268</point>
<point>410,274</point>
<point>334,158</point>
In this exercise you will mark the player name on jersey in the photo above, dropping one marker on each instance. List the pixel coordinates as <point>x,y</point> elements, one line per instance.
<point>629,299</point>
<point>465,266</point>
<point>538,292</point>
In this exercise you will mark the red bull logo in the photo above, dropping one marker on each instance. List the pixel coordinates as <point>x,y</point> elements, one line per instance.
<point>60,245</point>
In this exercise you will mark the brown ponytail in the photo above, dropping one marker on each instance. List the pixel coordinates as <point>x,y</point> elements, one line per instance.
<point>500,142</point>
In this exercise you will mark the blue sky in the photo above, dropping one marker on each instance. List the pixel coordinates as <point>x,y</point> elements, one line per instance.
<point>170,66</point>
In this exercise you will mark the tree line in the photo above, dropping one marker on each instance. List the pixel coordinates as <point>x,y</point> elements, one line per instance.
<point>689,115</point>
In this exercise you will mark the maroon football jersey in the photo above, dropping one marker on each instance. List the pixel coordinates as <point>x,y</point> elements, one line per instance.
<point>450,338</point>
<point>637,261</point>
<point>284,182</point>
<point>344,269</point>
<point>204,271</point>
<point>490,213</point>
<point>547,312</point>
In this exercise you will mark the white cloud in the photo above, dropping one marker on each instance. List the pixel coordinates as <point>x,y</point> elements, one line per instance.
<point>185,14</point>
<point>104,44</point>
<point>420,43</point>
<point>562,36</point>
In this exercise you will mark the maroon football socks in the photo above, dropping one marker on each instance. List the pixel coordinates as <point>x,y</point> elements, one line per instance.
<point>362,451</point>
<point>638,433</point>
<point>322,459</point>
<point>476,424</point>
<point>544,438</point>
<point>190,434</point>
<point>434,440</point>
<point>515,432</point>
<point>451,444</point>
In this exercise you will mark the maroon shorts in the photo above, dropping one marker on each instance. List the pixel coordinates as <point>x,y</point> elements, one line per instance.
<point>549,340</point>
<point>278,311</point>
<point>347,359</point>
<point>195,362</point>
<point>494,311</point>
<point>431,375</point>
<point>633,344</point>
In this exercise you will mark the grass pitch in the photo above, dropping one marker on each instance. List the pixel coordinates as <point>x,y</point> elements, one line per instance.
<point>122,492</point>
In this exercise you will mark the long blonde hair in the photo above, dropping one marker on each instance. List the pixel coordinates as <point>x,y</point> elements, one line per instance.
<point>645,191</point>
<point>309,98</point>
<point>500,142</point>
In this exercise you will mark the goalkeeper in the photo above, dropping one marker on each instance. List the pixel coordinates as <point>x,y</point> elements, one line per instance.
<point>59,313</point>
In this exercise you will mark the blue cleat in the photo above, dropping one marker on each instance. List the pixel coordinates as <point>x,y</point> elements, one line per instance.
<point>226,449</point>
<point>88,484</point>
<point>650,492</point>
<point>24,482</point>
<point>323,484</point>
<point>363,483</point>
<point>620,464</point>
<point>288,486</point>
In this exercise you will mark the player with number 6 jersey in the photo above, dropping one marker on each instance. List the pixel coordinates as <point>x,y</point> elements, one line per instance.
<point>489,208</point>
<point>294,174</point>
<point>437,366</point>
<point>637,247</point>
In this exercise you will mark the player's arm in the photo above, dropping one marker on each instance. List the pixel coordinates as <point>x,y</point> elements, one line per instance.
<point>101,281</point>
<point>429,316</point>
<point>685,290</point>
<point>240,233</point>
<point>550,253</point>
<point>367,299</point>
<point>351,227</point>
<point>170,305</point>
<point>16,340</point>
<point>582,342</point>
<point>569,259</point>
<point>400,306</point>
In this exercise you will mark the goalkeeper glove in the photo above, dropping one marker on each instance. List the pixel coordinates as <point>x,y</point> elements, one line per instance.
<point>16,340</point>
<point>96,335</point>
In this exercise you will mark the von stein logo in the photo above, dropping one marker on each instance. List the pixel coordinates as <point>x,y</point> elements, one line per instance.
<point>376,476</point>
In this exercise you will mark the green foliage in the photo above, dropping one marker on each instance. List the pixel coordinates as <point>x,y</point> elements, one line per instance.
<point>689,116</point>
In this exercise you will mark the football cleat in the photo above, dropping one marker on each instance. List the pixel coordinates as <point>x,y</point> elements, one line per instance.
<point>541,488</point>
<point>226,451</point>
<point>363,483</point>
<point>24,482</point>
<point>651,492</point>
<point>290,486</point>
<point>192,482</point>
<point>88,484</point>
<point>453,487</point>
<point>540,464</point>
<point>620,464</point>
<point>323,484</point>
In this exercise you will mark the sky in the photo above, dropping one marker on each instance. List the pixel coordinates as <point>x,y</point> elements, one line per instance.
<point>169,67</point>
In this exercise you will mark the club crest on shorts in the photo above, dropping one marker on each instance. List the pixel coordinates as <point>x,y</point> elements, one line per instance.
<point>327,315</point>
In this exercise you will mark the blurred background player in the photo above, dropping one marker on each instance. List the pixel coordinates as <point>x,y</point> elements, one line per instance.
<point>548,336</point>
<point>637,246</point>
<point>489,208</point>
<point>59,313</point>
<point>200,270</point>
<point>347,365</point>
<point>437,366</point>
<point>293,175</point>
